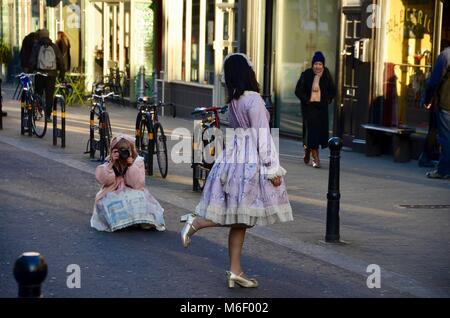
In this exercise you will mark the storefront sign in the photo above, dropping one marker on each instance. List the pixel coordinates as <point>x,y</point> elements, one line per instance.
<point>417,23</point>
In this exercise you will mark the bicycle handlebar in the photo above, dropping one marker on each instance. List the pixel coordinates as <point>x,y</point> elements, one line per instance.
<point>204,110</point>
<point>30,74</point>
<point>103,96</point>
<point>149,101</point>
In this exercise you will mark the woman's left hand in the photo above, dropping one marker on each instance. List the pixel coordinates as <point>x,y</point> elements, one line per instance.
<point>276,181</point>
<point>130,161</point>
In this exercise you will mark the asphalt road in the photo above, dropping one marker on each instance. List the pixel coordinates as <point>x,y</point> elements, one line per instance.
<point>46,207</point>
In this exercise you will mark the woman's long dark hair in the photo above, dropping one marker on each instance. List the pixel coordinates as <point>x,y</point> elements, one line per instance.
<point>239,77</point>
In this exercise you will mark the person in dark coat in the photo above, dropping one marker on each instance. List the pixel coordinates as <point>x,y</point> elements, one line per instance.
<point>25,51</point>
<point>316,90</point>
<point>50,67</point>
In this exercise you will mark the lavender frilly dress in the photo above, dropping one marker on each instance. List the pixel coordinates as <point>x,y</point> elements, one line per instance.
<point>238,190</point>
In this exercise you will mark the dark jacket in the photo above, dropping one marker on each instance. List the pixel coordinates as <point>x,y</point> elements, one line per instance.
<point>59,58</point>
<point>25,51</point>
<point>439,69</point>
<point>304,86</point>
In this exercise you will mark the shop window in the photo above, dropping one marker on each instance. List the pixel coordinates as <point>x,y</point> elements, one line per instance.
<point>407,53</point>
<point>302,27</point>
<point>195,40</point>
<point>183,59</point>
<point>209,49</point>
<point>197,62</point>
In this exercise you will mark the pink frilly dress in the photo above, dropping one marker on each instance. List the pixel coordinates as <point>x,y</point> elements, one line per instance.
<point>124,201</point>
<point>238,189</point>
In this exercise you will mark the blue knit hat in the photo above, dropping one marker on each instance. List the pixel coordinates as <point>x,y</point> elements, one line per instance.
<point>318,57</point>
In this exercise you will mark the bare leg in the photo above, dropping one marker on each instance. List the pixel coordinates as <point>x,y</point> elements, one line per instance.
<point>200,223</point>
<point>235,243</point>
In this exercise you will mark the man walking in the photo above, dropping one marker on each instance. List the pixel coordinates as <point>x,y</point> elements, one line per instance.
<point>46,58</point>
<point>439,85</point>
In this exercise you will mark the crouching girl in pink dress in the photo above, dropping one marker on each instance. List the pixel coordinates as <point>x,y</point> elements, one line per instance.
<point>123,200</point>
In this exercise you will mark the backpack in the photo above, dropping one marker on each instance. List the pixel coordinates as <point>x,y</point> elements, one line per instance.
<point>443,92</point>
<point>46,58</point>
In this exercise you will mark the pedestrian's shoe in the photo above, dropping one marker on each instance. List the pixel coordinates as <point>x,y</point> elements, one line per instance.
<point>307,156</point>
<point>185,237</point>
<point>435,175</point>
<point>316,160</point>
<point>241,280</point>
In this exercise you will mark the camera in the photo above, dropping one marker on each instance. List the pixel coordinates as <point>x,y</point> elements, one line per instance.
<point>124,153</point>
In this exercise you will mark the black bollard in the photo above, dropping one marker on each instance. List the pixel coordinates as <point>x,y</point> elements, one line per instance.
<point>30,271</point>
<point>333,195</point>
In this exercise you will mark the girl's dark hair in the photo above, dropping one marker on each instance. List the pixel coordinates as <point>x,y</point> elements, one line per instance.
<point>239,77</point>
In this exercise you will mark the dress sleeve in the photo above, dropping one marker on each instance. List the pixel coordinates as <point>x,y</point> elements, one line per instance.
<point>267,151</point>
<point>105,174</point>
<point>135,176</point>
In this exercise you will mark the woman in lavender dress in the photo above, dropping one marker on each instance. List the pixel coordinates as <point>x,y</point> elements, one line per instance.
<point>245,186</point>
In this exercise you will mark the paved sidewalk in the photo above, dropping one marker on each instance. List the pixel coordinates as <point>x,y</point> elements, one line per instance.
<point>411,245</point>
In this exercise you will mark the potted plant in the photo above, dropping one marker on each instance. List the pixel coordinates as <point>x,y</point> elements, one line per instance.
<point>5,55</point>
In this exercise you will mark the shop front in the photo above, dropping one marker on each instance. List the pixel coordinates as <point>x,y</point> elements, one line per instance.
<point>407,45</point>
<point>19,18</point>
<point>387,51</point>
<point>301,28</point>
<point>197,35</point>
<point>118,42</point>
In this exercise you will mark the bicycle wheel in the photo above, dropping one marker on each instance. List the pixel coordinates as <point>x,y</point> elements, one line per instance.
<point>142,141</point>
<point>38,118</point>
<point>106,137</point>
<point>161,149</point>
<point>23,114</point>
<point>142,137</point>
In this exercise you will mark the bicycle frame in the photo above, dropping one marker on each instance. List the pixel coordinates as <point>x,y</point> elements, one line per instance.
<point>98,109</point>
<point>148,119</point>
<point>210,119</point>
<point>26,99</point>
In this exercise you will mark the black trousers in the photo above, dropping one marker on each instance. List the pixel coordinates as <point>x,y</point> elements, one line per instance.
<point>431,146</point>
<point>46,85</point>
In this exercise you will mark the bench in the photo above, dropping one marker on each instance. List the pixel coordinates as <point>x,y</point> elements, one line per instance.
<point>401,144</point>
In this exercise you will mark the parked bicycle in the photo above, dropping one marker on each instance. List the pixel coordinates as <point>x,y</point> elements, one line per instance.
<point>150,137</point>
<point>204,138</point>
<point>100,132</point>
<point>32,112</point>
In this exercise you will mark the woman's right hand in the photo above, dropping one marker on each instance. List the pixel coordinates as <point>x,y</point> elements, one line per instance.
<point>115,155</point>
<point>276,181</point>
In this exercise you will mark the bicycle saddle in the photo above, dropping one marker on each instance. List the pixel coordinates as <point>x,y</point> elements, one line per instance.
<point>144,99</point>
